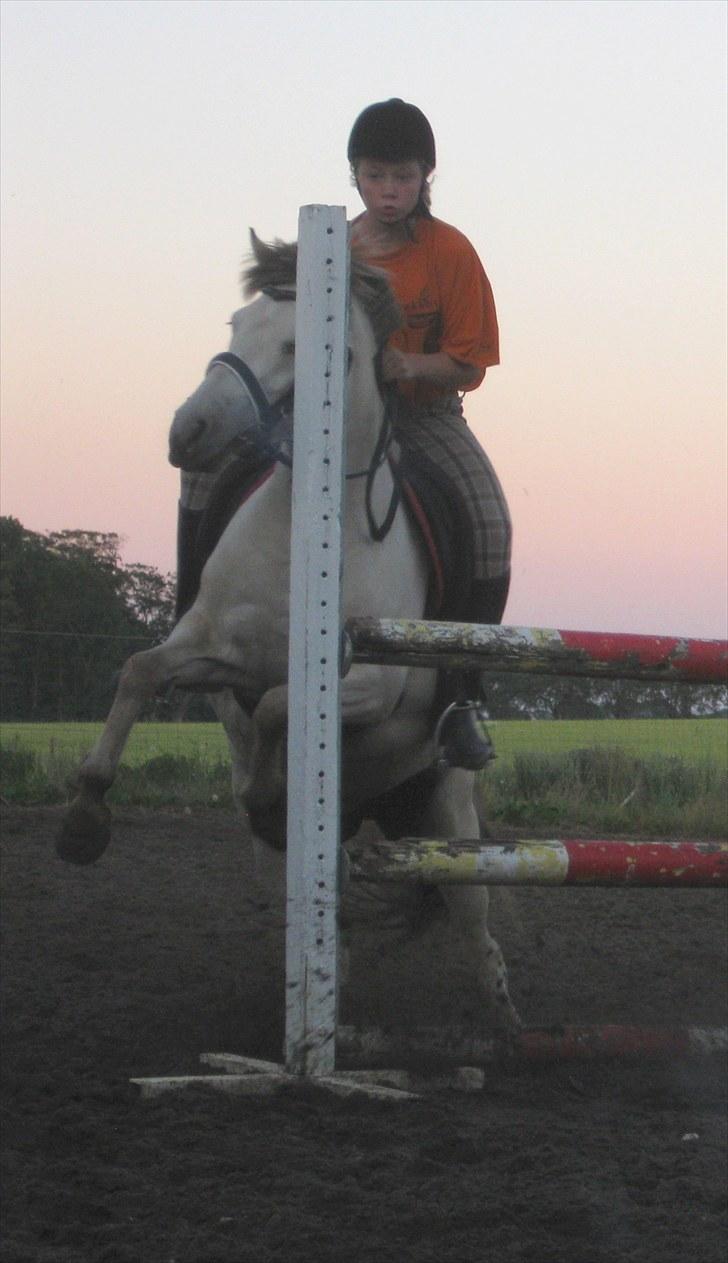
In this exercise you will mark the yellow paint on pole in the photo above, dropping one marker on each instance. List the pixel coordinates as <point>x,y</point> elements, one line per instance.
<point>548,862</point>
<point>466,862</point>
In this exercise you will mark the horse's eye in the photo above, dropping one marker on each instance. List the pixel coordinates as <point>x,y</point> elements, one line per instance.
<point>289,348</point>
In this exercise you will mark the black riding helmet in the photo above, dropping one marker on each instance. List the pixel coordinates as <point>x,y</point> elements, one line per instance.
<point>392,131</point>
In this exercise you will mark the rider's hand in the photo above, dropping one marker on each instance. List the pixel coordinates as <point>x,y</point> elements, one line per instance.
<point>436,367</point>
<point>397,365</point>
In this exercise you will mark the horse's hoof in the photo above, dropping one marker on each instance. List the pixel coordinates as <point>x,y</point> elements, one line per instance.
<point>85,833</point>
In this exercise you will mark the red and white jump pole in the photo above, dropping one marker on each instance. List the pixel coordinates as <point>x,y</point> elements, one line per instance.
<point>560,862</point>
<point>536,650</point>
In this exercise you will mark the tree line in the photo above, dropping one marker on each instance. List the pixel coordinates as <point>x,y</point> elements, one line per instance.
<point>71,613</point>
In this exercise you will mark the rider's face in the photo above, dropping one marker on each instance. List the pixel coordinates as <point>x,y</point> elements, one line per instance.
<point>389,190</point>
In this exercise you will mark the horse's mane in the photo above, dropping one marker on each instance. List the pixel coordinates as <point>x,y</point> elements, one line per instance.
<point>275,266</point>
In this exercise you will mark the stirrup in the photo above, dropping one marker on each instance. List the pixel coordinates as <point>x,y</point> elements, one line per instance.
<point>462,737</point>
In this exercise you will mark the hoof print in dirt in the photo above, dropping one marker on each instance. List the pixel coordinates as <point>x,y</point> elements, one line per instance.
<point>84,834</point>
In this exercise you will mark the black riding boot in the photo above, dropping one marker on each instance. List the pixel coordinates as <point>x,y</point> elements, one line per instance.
<point>461,730</point>
<point>189,565</point>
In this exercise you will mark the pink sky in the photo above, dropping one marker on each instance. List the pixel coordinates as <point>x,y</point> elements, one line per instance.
<point>585,159</point>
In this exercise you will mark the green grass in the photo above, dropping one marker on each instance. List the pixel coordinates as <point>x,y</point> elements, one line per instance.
<point>665,777</point>
<point>662,777</point>
<point>204,742</point>
<point>163,764</point>
<point>695,740</point>
<point>610,789</point>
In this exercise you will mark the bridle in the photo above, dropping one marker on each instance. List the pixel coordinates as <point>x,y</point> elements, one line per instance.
<point>273,433</point>
<point>270,417</point>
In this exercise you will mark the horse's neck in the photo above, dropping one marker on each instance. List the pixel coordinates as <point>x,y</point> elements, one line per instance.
<point>389,579</point>
<point>365,406</point>
<point>363,433</point>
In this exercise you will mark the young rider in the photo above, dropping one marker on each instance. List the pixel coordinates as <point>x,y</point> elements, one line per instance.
<point>449,340</point>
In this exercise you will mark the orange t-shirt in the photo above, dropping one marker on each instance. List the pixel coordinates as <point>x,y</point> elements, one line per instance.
<point>447,301</point>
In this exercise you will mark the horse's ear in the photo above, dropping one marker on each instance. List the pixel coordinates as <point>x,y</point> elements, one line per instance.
<point>260,249</point>
<point>274,265</point>
<point>260,256</point>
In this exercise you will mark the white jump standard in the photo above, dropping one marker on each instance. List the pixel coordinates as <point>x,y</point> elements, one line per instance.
<point>314,709</point>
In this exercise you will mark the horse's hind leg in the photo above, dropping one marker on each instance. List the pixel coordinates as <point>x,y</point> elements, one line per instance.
<point>86,832</point>
<point>451,813</point>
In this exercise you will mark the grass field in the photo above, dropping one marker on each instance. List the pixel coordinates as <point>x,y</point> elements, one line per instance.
<point>638,775</point>
<point>694,740</point>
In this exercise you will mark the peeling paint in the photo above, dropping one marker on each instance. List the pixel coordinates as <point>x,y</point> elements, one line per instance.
<point>542,650</point>
<point>535,862</point>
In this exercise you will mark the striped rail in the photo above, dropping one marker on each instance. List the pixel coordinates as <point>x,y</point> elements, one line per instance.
<point>535,650</point>
<point>562,862</point>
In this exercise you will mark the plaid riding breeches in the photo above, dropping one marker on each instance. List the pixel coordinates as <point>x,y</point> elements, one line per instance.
<point>439,434</point>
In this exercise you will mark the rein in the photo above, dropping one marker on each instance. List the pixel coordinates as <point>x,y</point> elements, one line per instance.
<point>271,416</point>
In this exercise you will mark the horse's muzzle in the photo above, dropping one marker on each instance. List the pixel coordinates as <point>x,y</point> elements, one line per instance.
<point>182,446</point>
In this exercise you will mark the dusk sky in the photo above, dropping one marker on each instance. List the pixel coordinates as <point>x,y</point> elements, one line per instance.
<point>582,149</point>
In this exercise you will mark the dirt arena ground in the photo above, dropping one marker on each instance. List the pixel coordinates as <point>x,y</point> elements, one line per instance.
<point>162,951</point>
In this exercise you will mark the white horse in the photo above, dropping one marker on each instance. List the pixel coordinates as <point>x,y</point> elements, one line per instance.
<point>235,636</point>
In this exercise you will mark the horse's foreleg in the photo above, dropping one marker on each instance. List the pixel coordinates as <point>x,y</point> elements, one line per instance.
<point>267,773</point>
<point>368,697</point>
<point>452,814</point>
<point>86,831</point>
<point>239,731</point>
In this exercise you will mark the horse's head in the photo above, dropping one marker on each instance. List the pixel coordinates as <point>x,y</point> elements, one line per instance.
<point>246,387</point>
<point>236,400</point>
